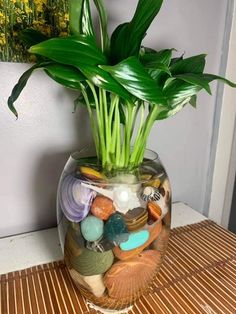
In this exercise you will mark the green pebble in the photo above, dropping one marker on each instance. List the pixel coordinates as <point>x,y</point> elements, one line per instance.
<point>92,263</point>
<point>92,228</point>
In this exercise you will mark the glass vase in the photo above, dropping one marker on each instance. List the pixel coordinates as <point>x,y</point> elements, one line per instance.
<point>113,227</point>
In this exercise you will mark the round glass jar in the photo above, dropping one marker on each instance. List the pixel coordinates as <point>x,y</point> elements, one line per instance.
<point>113,227</point>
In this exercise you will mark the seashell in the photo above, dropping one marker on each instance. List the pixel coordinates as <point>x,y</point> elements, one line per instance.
<point>92,228</point>
<point>122,196</point>
<point>102,207</point>
<point>93,283</point>
<point>136,218</point>
<point>130,278</point>
<point>75,200</point>
<point>90,263</point>
<point>91,173</point>
<point>150,194</point>
<point>154,232</point>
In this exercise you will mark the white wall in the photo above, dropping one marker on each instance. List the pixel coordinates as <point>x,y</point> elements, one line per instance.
<point>34,148</point>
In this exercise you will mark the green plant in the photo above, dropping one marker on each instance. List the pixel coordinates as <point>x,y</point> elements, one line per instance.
<point>121,82</point>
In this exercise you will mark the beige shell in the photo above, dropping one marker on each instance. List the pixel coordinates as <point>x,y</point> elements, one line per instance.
<point>132,277</point>
<point>92,283</point>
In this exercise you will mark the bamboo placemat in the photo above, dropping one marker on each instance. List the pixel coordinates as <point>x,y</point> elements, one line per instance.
<point>198,276</point>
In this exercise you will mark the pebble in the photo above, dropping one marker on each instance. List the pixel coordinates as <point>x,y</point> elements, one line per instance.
<point>93,283</point>
<point>154,232</point>
<point>165,191</point>
<point>115,229</point>
<point>136,239</point>
<point>154,212</point>
<point>136,218</point>
<point>92,228</point>
<point>131,278</point>
<point>90,263</point>
<point>102,207</point>
<point>91,173</point>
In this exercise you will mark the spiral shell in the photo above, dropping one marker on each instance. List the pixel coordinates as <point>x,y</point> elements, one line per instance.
<point>150,194</point>
<point>75,200</point>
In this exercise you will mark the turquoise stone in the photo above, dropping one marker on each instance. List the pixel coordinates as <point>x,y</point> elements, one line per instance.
<point>92,228</point>
<point>136,239</point>
<point>115,229</point>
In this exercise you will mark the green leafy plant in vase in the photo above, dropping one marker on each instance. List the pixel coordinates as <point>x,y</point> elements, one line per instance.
<point>115,206</point>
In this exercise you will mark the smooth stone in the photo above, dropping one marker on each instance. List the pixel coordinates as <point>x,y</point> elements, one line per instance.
<point>100,245</point>
<point>92,283</point>
<point>154,232</point>
<point>131,278</point>
<point>154,212</point>
<point>92,263</point>
<point>92,228</point>
<point>91,173</point>
<point>136,218</point>
<point>102,207</point>
<point>136,239</point>
<point>71,246</point>
<point>115,229</point>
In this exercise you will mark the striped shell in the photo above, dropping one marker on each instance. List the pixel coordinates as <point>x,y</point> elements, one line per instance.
<point>75,200</point>
<point>126,279</point>
<point>150,194</point>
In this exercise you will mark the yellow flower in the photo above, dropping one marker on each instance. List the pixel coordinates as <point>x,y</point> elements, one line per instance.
<point>2,39</point>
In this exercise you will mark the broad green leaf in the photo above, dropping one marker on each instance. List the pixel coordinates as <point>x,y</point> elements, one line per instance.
<point>21,84</point>
<point>126,39</point>
<point>177,91</point>
<point>134,78</point>
<point>212,77</point>
<point>166,113</point>
<point>146,50</point>
<point>65,75</point>
<point>74,50</point>
<point>103,25</point>
<point>150,60</point>
<point>193,64</point>
<point>156,63</point>
<point>193,101</point>
<point>174,60</point>
<point>102,79</point>
<point>195,79</point>
<point>32,37</point>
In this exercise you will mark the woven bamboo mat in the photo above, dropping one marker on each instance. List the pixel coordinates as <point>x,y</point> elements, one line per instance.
<point>198,276</point>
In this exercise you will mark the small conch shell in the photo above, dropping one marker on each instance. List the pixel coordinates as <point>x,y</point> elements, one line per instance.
<point>150,194</point>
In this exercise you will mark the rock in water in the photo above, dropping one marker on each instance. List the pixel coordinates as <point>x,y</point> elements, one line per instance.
<point>93,283</point>
<point>90,263</point>
<point>115,229</point>
<point>130,278</point>
<point>136,239</point>
<point>154,231</point>
<point>136,218</point>
<point>91,173</point>
<point>75,200</point>
<point>102,207</point>
<point>101,245</point>
<point>92,228</point>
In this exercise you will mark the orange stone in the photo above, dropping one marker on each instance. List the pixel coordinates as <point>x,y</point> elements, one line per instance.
<point>102,207</point>
<point>91,173</point>
<point>154,211</point>
<point>154,230</point>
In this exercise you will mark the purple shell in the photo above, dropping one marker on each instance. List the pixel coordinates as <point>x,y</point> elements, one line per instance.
<point>75,199</point>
